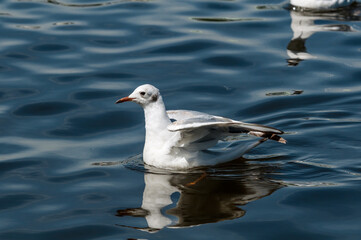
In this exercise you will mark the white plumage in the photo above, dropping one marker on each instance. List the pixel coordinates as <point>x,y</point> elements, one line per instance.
<point>321,4</point>
<point>185,142</point>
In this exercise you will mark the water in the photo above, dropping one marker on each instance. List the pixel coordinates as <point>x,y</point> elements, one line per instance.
<point>70,164</point>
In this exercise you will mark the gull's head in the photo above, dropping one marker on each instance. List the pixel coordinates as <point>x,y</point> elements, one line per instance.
<point>143,95</point>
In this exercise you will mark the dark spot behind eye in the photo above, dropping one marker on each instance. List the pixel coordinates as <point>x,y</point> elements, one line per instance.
<point>142,93</point>
<point>155,97</point>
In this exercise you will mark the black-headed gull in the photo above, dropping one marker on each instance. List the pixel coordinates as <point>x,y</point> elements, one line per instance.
<point>184,143</point>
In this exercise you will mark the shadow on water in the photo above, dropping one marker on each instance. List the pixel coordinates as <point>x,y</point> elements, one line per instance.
<point>305,23</point>
<point>204,195</point>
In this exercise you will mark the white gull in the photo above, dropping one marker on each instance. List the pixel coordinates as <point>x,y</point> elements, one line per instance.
<point>321,4</point>
<point>185,142</point>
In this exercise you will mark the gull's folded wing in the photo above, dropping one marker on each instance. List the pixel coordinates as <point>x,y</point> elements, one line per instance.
<point>201,131</point>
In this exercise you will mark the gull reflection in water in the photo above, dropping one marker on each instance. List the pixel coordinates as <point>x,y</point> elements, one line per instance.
<point>176,200</point>
<point>304,26</point>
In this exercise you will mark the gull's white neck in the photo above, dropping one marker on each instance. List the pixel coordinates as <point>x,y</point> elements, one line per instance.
<point>159,141</point>
<point>156,118</point>
<point>156,132</point>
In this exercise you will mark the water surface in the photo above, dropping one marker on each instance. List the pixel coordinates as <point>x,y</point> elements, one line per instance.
<point>69,157</point>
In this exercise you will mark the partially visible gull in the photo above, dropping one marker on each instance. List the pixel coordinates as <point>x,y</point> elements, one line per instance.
<point>321,4</point>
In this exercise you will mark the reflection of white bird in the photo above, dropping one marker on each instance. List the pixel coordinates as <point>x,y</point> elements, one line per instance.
<point>157,195</point>
<point>183,143</point>
<point>321,4</point>
<point>303,24</point>
<point>170,201</point>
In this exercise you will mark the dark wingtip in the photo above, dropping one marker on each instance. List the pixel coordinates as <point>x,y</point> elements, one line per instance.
<point>274,137</point>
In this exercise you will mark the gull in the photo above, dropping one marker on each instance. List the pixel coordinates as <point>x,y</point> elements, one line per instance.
<point>181,139</point>
<point>321,4</point>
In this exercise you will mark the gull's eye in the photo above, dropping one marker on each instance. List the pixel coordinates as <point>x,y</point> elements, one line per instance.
<point>142,93</point>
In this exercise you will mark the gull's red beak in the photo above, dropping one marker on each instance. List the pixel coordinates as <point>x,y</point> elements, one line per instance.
<point>124,99</point>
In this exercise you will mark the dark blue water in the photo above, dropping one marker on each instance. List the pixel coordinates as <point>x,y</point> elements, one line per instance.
<point>70,166</point>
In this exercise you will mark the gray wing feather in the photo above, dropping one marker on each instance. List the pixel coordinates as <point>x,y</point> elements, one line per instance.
<point>201,130</point>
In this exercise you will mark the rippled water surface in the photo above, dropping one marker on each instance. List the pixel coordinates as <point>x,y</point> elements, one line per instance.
<point>70,158</point>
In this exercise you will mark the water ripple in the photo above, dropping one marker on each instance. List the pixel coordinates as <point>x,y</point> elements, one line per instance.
<point>45,109</point>
<point>227,61</point>
<point>81,5</point>
<point>50,47</point>
<point>82,232</point>
<point>65,147</point>
<point>10,201</point>
<point>74,177</point>
<point>96,123</point>
<point>222,20</point>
